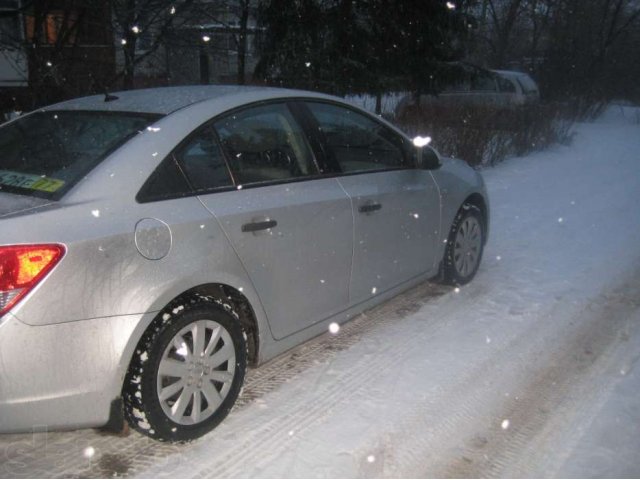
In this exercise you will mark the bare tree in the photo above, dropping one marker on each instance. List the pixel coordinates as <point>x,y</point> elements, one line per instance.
<point>52,37</point>
<point>233,19</point>
<point>142,26</point>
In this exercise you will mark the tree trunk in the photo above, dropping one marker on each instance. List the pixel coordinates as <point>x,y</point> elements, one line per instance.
<point>242,41</point>
<point>378,103</point>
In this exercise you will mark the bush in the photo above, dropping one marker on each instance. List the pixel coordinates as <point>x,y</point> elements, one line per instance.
<point>486,135</point>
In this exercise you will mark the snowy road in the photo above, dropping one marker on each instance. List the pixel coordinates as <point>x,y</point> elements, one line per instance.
<point>531,370</point>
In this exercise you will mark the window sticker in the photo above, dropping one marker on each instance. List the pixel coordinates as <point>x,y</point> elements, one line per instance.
<point>32,182</point>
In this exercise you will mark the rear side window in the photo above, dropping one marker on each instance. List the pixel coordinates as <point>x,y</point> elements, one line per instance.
<point>197,165</point>
<point>203,162</point>
<point>265,144</point>
<point>528,85</point>
<point>44,154</point>
<point>357,143</point>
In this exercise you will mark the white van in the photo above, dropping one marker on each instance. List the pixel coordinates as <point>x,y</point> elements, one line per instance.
<point>501,88</point>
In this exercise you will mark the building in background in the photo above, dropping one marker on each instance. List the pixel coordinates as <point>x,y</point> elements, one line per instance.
<point>53,50</point>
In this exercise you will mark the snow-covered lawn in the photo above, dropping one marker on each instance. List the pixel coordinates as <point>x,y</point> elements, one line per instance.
<point>531,370</point>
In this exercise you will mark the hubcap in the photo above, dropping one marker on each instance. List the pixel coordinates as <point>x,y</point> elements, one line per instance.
<point>466,251</point>
<point>196,372</point>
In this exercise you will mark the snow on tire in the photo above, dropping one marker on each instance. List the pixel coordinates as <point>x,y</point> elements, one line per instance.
<point>187,371</point>
<point>464,246</point>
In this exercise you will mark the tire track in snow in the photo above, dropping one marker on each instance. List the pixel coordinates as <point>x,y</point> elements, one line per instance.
<point>560,389</point>
<point>276,430</point>
<point>64,454</point>
<point>470,441</point>
<point>283,368</point>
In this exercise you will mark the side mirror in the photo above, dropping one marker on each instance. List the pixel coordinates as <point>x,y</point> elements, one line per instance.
<point>428,158</point>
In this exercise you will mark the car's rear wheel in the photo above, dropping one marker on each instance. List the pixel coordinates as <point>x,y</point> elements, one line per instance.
<point>187,371</point>
<point>464,246</point>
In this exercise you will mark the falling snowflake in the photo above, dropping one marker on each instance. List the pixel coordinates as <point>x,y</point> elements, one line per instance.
<point>371,458</point>
<point>95,213</point>
<point>505,424</point>
<point>334,328</point>
<point>89,452</point>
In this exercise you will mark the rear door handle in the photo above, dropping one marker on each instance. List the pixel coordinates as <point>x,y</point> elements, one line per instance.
<point>369,207</point>
<point>257,226</point>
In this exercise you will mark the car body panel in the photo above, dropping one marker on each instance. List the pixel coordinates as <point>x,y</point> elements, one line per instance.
<point>305,258</point>
<point>87,316</point>
<point>405,228</point>
<point>457,182</point>
<point>78,391</point>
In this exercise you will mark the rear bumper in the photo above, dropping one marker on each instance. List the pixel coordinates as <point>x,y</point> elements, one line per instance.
<point>63,375</point>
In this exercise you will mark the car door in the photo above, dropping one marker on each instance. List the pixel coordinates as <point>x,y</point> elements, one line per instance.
<point>396,207</point>
<point>291,228</point>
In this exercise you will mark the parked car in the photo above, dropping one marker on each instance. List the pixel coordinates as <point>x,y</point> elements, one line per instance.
<point>155,242</point>
<point>521,89</point>
<point>498,88</point>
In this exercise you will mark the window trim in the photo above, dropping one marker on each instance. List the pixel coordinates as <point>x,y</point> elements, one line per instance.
<point>325,167</point>
<point>288,103</point>
<point>332,163</point>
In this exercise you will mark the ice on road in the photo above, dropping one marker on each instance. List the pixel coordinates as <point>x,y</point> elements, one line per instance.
<point>531,370</point>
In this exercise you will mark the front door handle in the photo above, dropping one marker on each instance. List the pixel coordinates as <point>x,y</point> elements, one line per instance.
<point>369,207</point>
<point>257,226</point>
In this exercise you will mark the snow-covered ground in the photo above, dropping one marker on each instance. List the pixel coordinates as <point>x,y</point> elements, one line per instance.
<point>388,103</point>
<point>531,370</point>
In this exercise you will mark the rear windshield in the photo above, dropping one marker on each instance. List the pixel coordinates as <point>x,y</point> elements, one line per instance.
<point>44,154</point>
<point>527,84</point>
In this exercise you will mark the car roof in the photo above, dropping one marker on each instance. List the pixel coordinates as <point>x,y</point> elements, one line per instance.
<point>165,100</point>
<point>510,73</point>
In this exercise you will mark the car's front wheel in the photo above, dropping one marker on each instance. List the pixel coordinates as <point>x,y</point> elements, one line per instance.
<point>187,371</point>
<point>464,246</point>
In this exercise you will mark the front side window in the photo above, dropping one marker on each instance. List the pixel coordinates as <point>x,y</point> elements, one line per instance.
<point>265,144</point>
<point>356,142</point>
<point>44,154</point>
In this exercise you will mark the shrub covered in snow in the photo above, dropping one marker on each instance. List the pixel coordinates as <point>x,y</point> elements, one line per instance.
<point>486,135</point>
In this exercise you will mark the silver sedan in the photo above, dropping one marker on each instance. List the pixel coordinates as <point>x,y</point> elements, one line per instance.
<point>154,243</point>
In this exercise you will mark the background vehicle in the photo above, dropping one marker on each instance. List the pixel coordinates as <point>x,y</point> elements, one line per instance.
<point>155,242</point>
<point>523,88</point>
<point>498,88</point>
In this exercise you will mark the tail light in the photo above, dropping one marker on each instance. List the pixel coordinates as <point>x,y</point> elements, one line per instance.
<point>22,267</point>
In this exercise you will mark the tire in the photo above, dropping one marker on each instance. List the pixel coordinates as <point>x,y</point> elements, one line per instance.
<point>171,393</point>
<point>465,245</point>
